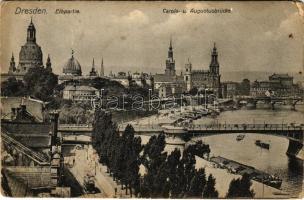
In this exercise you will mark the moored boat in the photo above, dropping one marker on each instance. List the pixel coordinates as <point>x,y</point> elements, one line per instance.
<point>240,137</point>
<point>262,144</point>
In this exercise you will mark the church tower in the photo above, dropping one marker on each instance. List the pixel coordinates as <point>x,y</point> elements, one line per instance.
<point>48,64</point>
<point>93,71</point>
<point>187,76</point>
<point>170,62</point>
<point>12,67</point>
<point>215,72</point>
<point>214,65</point>
<point>101,68</point>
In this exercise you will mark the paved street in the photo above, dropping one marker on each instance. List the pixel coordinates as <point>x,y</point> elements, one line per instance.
<point>86,162</point>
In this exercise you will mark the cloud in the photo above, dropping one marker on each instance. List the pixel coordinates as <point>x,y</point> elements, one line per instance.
<point>133,18</point>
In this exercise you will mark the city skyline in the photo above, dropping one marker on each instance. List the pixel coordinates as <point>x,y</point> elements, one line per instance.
<point>129,47</point>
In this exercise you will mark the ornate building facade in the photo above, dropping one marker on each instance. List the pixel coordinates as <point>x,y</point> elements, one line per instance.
<point>201,79</point>
<point>204,79</point>
<point>169,81</point>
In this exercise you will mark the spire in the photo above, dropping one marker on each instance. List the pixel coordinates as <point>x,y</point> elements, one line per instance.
<point>101,68</point>
<point>72,53</point>
<point>12,67</point>
<point>31,32</point>
<point>214,49</point>
<point>170,52</point>
<point>93,72</point>
<point>48,63</point>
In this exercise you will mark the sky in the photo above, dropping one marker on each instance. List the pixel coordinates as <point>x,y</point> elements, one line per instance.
<point>134,36</point>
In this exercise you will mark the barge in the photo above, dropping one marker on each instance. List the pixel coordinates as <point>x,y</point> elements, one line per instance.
<point>254,174</point>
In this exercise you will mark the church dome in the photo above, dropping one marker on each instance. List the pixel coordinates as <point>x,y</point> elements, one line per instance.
<point>72,66</point>
<point>30,53</point>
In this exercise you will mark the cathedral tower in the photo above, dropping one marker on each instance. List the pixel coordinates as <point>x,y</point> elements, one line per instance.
<point>215,72</point>
<point>214,65</point>
<point>170,62</point>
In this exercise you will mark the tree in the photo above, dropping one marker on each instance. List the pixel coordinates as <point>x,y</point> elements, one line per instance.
<point>13,87</point>
<point>210,191</point>
<point>197,184</point>
<point>175,173</point>
<point>132,148</point>
<point>189,167</point>
<point>240,187</point>
<point>155,182</point>
<point>40,83</point>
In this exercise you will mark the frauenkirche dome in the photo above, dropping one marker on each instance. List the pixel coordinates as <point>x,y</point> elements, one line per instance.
<point>30,54</point>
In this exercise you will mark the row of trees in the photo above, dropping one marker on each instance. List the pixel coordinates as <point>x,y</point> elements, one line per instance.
<point>120,153</point>
<point>166,176</point>
<point>175,175</point>
<point>171,175</point>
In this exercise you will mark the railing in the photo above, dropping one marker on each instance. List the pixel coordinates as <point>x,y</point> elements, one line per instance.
<point>74,125</point>
<point>274,127</point>
<point>39,159</point>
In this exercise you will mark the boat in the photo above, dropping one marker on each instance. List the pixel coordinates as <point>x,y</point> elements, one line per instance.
<point>275,183</point>
<point>174,129</point>
<point>240,137</point>
<point>262,144</point>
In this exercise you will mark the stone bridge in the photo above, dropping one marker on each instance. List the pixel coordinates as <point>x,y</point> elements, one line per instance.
<point>272,100</point>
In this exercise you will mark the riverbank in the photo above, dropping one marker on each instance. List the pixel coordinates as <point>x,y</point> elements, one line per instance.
<point>223,179</point>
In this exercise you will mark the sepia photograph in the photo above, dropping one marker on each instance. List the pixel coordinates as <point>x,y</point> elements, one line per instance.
<point>152,99</point>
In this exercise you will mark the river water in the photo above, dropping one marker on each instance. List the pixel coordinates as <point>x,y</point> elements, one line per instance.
<point>274,160</point>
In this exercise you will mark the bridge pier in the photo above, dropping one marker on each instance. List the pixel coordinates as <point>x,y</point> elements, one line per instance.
<point>295,149</point>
